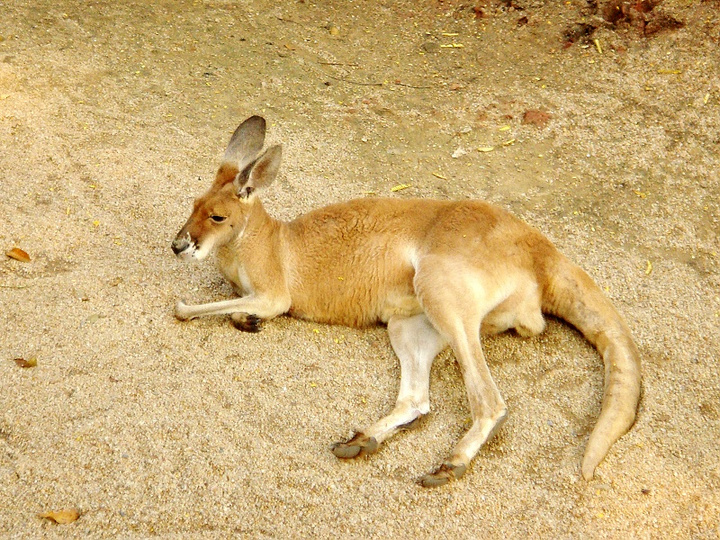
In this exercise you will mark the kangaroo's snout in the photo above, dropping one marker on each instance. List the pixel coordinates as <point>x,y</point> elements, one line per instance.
<point>179,245</point>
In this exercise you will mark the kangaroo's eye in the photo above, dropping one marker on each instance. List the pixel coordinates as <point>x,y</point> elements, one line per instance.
<point>218,219</point>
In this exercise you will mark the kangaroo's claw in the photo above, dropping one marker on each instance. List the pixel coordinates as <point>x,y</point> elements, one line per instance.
<point>247,322</point>
<point>359,445</point>
<point>442,475</point>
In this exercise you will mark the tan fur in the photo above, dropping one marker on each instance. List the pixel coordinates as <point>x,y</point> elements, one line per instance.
<point>436,272</point>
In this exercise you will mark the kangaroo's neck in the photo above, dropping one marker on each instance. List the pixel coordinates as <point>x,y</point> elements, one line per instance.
<point>260,225</point>
<point>258,238</point>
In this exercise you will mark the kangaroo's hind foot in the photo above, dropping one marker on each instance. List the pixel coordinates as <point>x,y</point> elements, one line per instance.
<point>359,445</point>
<point>442,475</point>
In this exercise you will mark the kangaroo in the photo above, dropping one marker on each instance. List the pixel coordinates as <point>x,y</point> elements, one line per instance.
<point>437,273</point>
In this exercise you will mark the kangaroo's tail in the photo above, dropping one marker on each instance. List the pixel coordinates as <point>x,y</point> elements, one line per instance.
<point>571,294</point>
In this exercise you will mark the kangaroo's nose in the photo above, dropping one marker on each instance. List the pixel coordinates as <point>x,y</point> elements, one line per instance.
<point>179,245</point>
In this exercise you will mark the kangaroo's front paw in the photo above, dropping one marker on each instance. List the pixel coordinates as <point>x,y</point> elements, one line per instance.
<point>246,322</point>
<point>182,311</point>
<point>442,475</point>
<point>359,445</point>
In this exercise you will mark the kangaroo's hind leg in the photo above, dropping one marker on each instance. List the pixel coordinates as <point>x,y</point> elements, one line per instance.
<point>456,303</point>
<point>416,344</point>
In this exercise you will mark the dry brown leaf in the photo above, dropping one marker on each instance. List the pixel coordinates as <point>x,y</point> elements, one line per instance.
<point>62,517</point>
<point>31,362</point>
<point>18,254</point>
<point>536,118</point>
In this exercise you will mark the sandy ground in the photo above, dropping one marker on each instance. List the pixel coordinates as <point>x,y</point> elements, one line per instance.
<point>113,117</point>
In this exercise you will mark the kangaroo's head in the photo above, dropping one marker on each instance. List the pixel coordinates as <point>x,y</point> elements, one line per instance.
<point>222,214</point>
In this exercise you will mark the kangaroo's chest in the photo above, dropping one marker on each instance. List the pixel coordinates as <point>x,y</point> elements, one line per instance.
<point>234,271</point>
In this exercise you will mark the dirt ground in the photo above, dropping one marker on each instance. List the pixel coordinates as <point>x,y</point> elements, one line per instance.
<point>113,118</point>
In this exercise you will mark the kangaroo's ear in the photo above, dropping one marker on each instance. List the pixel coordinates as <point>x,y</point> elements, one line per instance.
<point>259,174</point>
<point>246,142</point>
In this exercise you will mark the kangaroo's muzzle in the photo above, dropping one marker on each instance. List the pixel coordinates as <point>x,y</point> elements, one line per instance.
<point>180,244</point>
